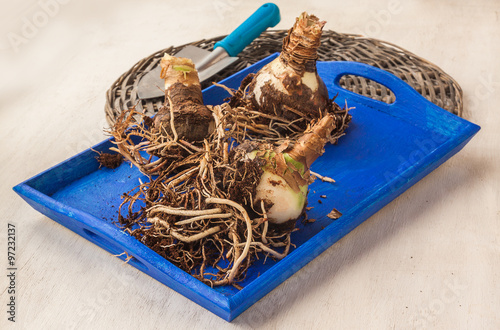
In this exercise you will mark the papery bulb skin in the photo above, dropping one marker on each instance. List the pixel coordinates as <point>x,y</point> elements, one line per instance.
<point>283,183</point>
<point>193,121</point>
<point>290,83</point>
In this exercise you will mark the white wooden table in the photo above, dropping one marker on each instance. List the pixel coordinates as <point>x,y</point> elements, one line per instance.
<point>430,259</point>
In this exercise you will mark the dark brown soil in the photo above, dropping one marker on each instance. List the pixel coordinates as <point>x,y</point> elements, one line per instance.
<point>244,182</point>
<point>192,119</point>
<point>108,160</point>
<point>299,100</point>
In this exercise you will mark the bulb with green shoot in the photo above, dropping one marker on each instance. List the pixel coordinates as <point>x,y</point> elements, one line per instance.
<point>184,108</point>
<point>283,184</point>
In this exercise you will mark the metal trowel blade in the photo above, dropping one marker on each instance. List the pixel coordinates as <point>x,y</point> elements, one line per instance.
<point>151,85</point>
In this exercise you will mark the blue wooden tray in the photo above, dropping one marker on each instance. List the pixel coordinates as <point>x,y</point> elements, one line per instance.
<point>387,149</point>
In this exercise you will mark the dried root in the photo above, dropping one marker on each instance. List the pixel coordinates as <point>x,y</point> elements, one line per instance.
<point>199,208</point>
<point>196,210</point>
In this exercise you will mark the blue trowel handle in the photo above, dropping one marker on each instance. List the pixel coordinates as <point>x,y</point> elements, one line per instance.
<point>268,15</point>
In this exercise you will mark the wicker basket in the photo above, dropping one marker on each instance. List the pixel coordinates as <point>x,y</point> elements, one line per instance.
<point>428,79</point>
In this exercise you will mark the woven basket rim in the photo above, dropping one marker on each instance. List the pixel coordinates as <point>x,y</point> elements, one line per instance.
<point>425,77</point>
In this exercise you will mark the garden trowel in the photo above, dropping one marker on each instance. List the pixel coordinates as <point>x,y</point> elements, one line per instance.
<point>224,54</point>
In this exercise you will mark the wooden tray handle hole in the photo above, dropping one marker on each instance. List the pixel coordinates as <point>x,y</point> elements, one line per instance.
<point>367,87</point>
<point>114,249</point>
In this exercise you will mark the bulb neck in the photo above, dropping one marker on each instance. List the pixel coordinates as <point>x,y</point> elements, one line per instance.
<point>300,46</point>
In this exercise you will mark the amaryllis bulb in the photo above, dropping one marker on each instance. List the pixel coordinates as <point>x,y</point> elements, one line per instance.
<point>291,80</point>
<point>192,119</point>
<point>285,179</point>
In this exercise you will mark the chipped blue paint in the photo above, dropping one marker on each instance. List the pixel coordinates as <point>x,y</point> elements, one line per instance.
<point>387,148</point>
